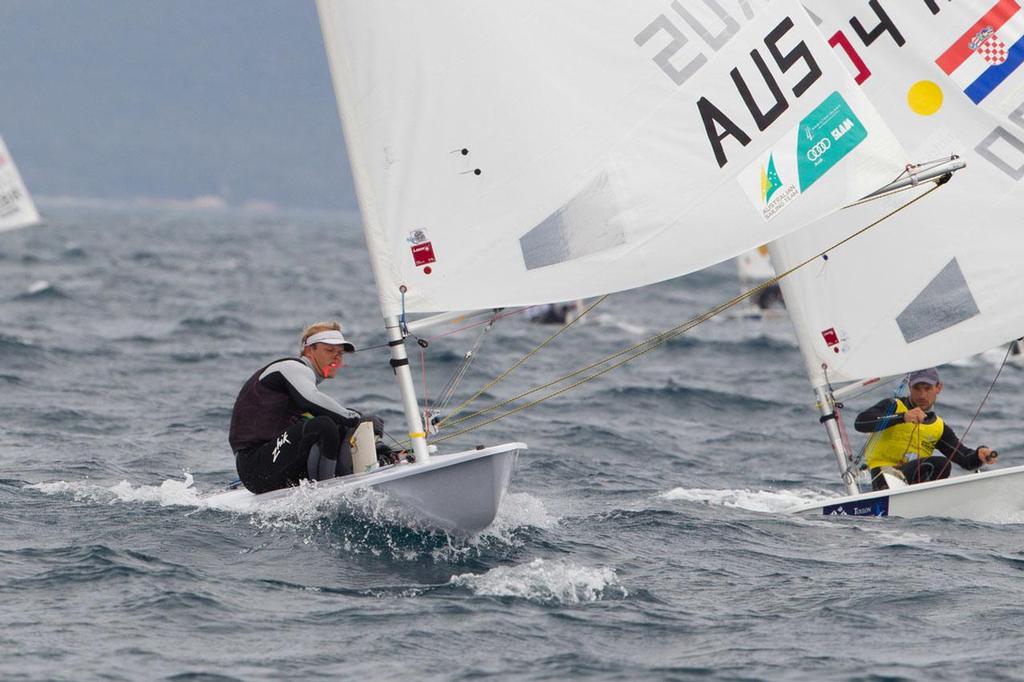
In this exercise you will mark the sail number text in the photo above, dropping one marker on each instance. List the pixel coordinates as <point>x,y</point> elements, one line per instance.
<point>791,57</point>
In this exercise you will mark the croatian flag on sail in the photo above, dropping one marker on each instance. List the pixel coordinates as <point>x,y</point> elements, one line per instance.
<point>987,52</point>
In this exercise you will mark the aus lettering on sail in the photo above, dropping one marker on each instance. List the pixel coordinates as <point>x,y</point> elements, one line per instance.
<point>774,109</point>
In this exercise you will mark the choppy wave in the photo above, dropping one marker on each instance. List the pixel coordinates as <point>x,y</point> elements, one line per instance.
<point>687,396</point>
<point>41,290</point>
<point>14,348</point>
<point>59,567</point>
<point>74,252</point>
<point>771,501</point>
<point>168,493</point>
<point>545,581</point>
<point>217,326</point>
<point>134,380</point>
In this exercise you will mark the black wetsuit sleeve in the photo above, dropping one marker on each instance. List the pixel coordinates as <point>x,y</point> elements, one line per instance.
<point>950,446</point>
<point>298,380</point>
<point>878,417</point>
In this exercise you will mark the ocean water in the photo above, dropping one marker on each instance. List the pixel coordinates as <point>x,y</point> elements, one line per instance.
<point>643,537</point>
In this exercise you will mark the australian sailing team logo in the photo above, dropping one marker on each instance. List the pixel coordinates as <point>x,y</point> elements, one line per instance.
<point>770,182</point>
<point>775,194</point>
<point>802,156</point>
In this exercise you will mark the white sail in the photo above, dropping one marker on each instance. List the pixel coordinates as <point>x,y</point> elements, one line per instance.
<point>941,280</point>
<point>514,153</point>
<point>16,207</point>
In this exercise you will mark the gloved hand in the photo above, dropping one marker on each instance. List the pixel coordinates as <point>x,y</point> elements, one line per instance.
<point>385,455</point>
<point>378,423</point>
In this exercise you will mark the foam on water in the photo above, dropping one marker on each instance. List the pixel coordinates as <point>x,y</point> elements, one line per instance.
<point>367,521</point>
<point>358,521</point>
<point>753,500</point>
<point>887,537</point>
<point>38,286</point>
<point>519,510</point>
<point>545,582</point>
<point>171,492</point>
<point>606,320</point>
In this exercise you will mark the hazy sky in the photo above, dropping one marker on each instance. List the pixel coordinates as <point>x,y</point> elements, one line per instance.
<point>173,99</point>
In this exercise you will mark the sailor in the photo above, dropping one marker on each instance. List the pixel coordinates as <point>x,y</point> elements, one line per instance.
<point>283,428</point>
<point>769,297</point>
<point>906,431</point>
<point>550,313</point>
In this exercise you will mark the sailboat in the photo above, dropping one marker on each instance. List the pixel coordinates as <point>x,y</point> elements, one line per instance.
<point>941,280</point>
<point>515,154</point>
<point>16,206</point>
<point>753,268</point>
<point>1016,351</point>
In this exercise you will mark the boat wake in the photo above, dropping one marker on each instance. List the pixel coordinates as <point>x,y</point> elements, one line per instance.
<point>770,501</point>
<point>169,493</point>
<point>357,521</point>
<point>549,582</point>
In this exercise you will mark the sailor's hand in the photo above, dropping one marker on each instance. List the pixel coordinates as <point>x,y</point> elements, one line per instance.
<point>378,423</point>
<point>385,455</point>
<point>914,416</point>
<point>987,455</point>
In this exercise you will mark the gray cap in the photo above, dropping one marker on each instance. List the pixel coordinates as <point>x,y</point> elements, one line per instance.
<point>924,376</point>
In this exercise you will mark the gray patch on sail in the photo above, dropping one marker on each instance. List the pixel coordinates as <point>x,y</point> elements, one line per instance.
<point>946,301</point>
<point>589,223</point>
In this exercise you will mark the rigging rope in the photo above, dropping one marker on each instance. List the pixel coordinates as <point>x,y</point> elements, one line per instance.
<point>643,347</point>
<point>441,404</point>
<point>464,404</point>
<point>1006,358</point>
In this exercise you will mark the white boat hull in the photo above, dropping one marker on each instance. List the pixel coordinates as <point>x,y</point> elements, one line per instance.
<point>459,493</point>
<point>989,496</point>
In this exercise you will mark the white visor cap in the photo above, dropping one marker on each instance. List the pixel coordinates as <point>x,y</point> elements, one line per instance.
<point>333,337</point>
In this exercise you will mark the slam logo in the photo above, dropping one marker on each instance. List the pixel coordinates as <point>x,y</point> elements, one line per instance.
<point>802,156</point>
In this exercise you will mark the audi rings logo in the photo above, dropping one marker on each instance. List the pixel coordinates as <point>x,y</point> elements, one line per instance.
<point>819,148</point>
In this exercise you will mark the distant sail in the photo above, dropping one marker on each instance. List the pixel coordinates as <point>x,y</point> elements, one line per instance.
<point>942,280</point>
<point>754,267</point>
<point>515,153</point>
<point>16,207</point>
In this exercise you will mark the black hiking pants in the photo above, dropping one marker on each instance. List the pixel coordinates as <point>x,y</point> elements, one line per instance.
<point>309,449</point>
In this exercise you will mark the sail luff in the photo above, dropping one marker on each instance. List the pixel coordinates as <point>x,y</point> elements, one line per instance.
<point>338,64</point>
<point>376,246</point>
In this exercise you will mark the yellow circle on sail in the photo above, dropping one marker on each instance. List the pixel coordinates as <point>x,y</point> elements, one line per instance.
<point>924,98</point>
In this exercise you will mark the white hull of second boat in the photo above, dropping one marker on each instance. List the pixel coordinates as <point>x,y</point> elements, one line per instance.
<point>459,493</point>
<point>989,496</point>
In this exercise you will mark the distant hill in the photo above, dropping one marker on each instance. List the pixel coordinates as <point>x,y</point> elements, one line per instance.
<point>129,98</point>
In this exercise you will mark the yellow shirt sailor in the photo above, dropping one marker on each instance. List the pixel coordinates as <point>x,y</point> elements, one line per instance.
<point>905,432</point>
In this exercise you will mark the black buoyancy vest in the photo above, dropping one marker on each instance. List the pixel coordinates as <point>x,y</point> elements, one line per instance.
<point>260,413</point>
